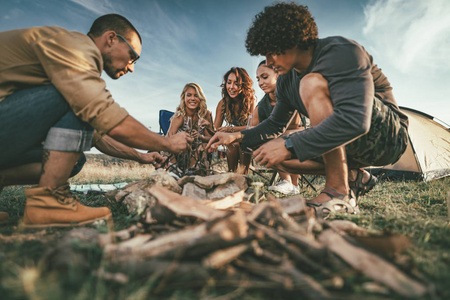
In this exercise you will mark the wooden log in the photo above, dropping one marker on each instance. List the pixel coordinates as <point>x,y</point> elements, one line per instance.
<point>203,246</point>
<point>184,271</point>
<point>343,225</point>
<point>184,206</point>
<point>209,182</point>
<point>63,257</point>
<point>291,205</point>
<point>387,243</point>
<point>301,259</point>
<point>222,257</point>
<point>118,236</point>
<point>270,213</point>
<point>246,207</point>
<point>141,247</point>
<point>193,191</point>
<point>257,211</point>
<point>122,250</point>
<point>372,265</point>
<point>288,223</point>
<point>227,229</point>
<point>226,202</point>
<point>228,232</point>
<point>223,191</point>
<point>114,277</point>
<point>272,273</point>
<point>305,242</point>
<point>288,276</point>
<point>265,255</point>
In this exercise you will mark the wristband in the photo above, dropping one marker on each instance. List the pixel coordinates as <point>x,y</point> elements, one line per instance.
<point>289,147</point>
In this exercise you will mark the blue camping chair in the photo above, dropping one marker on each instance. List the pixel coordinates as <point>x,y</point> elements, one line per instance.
<point>164,121</point>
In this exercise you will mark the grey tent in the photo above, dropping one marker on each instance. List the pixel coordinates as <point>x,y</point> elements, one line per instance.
<point>428,154</point>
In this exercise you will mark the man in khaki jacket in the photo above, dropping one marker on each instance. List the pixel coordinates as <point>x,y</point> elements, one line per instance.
<point>52,100</point>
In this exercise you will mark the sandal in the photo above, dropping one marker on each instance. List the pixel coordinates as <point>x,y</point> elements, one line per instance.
<point>358,187</point>
<point>338,203</point>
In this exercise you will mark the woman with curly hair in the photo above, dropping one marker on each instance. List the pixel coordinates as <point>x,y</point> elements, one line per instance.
<point>192,114</point>
<point>355,121</point>
<point>237,104</point>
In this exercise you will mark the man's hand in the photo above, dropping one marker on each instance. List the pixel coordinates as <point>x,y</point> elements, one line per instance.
<point>272,153</point>
<point>222,138</point>
<point>153,158</point>
<point>179,142</point>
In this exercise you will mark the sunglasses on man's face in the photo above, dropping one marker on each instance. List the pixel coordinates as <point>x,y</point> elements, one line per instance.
<point>135,56</point>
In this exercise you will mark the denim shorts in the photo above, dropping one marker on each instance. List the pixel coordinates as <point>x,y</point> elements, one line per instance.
<point>39,118</point>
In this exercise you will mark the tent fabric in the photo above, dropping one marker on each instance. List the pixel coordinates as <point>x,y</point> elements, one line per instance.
<point>428,154</point>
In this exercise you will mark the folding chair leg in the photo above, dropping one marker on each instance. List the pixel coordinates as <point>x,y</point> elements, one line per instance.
<point>309,183</point>
<point>274,178</point>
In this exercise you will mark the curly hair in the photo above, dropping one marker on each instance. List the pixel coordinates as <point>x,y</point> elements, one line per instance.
<point>246,96</point>
<point>202,109</point>
<point>281,27</point>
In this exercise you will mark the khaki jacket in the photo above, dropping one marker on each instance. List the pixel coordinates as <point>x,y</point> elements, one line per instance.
<point>70,61</point>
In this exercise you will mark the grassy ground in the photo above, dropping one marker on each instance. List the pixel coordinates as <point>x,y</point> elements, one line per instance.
<point>417,210</point>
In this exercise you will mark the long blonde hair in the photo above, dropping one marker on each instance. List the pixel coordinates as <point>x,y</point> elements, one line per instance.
<point>202,109</point>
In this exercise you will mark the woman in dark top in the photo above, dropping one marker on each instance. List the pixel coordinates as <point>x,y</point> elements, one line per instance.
<point>235,108</point>
<point>267,81</point>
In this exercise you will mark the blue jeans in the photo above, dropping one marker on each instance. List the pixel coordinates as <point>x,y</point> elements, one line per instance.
<point>39,118</point>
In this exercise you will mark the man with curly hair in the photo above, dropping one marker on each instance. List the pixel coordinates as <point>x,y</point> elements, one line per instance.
<point>355,120</point>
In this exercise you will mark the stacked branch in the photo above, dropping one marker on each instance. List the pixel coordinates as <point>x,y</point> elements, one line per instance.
<point>209,232</point>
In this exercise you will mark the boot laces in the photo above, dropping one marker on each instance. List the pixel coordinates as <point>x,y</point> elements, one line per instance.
<point>63,195</point>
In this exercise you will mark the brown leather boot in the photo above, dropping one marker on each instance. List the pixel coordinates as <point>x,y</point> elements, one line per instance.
<point>47,207</point>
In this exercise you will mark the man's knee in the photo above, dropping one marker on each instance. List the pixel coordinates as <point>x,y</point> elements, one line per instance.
<point>313,85</point>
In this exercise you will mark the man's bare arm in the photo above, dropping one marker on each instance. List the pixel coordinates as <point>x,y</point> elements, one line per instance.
<point>110,146</point>
<point>133,134</point>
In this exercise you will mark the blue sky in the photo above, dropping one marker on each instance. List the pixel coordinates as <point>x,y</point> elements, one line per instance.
<point>199,40</point>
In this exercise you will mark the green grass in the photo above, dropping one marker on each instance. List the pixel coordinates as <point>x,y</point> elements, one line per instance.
<point>417,210</point>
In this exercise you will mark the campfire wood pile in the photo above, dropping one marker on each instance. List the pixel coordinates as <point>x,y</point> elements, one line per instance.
<point>202,231</point>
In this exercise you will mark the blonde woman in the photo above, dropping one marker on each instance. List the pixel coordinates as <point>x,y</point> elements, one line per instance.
<point>192,117</point>
<point>192,114</point>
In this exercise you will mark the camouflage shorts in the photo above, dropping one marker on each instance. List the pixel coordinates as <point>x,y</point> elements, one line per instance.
<point>383,144</point>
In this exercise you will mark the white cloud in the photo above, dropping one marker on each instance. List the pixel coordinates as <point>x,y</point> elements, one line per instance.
<point>412,34</point>
<point>100,7</point>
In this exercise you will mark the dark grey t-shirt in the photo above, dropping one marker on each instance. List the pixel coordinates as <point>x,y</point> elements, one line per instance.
<point>353,81</point>
<point>264,108</point>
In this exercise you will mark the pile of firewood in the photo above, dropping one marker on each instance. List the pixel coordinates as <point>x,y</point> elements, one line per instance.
<point>204,230</point>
